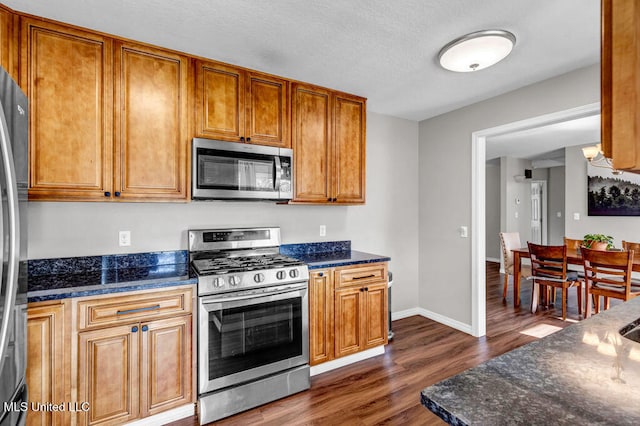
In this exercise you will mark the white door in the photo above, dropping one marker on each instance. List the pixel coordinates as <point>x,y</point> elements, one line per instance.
<point>537,236</point>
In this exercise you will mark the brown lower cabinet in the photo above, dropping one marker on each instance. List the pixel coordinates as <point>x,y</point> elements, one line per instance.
<point>348,311</point>
<point>47,360</point>
<point>122,357</point>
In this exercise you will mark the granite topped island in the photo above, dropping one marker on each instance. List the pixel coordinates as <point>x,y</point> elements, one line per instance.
<point>586,373</point>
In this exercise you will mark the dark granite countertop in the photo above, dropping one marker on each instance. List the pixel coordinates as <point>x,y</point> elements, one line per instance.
<point>52,279</point>
<point>329,254</point>
<point>586,373</point>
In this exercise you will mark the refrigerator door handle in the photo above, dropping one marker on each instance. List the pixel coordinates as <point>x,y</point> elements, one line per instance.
<point>14,238</point>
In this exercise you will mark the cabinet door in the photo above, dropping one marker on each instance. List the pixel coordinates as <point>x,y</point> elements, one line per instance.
<point>375,324</point>
<point>151,130</point>
<point>45,359</point>
<point>166,364</point>
<point>348,320</point>
<point>621,83</point>
<point>311,116</point>
<point>268,118</point>
<point>67,74</point>
<point>349,145</point>
<point>8,43</point>
<point>321,332</point>
<point>220,91</point>
<point>108,374</point>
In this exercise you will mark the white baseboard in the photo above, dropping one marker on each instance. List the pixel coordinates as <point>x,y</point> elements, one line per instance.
<point>433,316</point>
<point>346,360</point>
<point>446,321</point>
<point>493,259</point>
<point>166,416</point>
<point>405,314</point>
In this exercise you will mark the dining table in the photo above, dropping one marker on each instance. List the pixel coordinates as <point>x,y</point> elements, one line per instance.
<point>574,257</point>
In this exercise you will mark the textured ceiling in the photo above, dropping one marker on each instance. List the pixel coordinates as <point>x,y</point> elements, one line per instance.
<point>385,51</point>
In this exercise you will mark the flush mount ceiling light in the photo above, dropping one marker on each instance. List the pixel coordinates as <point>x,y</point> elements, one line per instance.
<point>476,51</point>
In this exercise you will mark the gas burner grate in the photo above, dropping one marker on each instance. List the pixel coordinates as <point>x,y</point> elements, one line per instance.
<point>226,265</point>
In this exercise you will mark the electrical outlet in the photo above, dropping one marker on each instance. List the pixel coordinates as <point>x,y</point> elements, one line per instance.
<point>464,233</point>
<point>124,238</point>
<point>323,230</point>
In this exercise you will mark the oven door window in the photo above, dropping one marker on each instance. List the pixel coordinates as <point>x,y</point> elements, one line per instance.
<point>235,171</point>
<point>246,337</point>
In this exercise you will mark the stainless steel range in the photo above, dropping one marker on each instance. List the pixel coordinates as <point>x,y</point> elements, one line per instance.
<point>253,326</point>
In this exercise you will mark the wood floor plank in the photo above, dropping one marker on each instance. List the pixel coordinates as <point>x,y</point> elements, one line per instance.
<point>385,390</point>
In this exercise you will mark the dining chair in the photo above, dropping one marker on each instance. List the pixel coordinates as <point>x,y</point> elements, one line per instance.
<point>572,243</point>
<point>510,241</point>
<point>549,270</point>
<point>608,274</point>
<point>627,245</point>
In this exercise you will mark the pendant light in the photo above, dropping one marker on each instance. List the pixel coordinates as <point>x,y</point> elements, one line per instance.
<point>476,51</point>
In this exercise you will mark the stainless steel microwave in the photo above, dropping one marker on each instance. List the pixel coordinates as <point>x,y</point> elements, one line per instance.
<point>231,170</point>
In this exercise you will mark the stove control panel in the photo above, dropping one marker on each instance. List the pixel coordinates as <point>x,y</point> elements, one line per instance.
<point>209,284</point>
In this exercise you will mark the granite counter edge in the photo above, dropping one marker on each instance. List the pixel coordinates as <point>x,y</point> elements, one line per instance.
<point>101,289</point>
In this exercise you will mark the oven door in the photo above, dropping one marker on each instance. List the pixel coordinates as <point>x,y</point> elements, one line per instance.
<point>227,170</point>
<point>244,336</point>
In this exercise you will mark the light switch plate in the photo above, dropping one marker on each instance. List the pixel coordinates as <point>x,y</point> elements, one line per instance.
<point>576,216</point>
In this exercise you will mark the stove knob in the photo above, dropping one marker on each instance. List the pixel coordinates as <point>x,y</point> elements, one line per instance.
<point>258,277</point>
<point>234,280</point>
<point>281,275</point>
<point>218,282</point>
<point>294,273</point>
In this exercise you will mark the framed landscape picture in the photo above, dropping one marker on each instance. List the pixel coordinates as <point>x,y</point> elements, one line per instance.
<point>612,195</point>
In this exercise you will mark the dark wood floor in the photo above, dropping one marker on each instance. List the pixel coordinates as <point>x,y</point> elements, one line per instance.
<point>386,389</point>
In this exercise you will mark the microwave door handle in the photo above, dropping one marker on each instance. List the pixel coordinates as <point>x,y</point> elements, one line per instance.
<point>278,171</point>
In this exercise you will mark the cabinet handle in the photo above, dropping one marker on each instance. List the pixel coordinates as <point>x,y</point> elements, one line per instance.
<point>321,274</point>
<point>241,138</point>
<point>366,289</point>
<point>107,194</point>
<point>363,277</point>
<point>248,139</point>
<point>133,311</point>
<point>117,194</point>
<point>145,327</point>
<point>134,329</point>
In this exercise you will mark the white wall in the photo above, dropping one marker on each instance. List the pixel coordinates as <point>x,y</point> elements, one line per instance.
<point>445,181</point>
<point>492,211</point>
<point>556,191</point>
<point>386,225</point>
<point>515,198</point>
<point>619,227</point>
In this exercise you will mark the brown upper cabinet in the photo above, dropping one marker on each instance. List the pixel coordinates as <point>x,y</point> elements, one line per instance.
<point>68,74</point>
<point>329,146</point>
<point>620,97</point>
<point>8,42</point>
<point>151,123</point>
<point>112,119</point>
<point>237,105</point>
<point>89,142</point>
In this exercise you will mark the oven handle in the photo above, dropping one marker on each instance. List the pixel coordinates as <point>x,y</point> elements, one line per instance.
<point>255,295</point>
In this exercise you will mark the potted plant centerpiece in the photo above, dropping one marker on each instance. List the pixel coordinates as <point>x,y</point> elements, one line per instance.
<point>598,241</point>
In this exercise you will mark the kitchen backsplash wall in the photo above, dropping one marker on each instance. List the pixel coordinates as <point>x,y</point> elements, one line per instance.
<point>386,225</point>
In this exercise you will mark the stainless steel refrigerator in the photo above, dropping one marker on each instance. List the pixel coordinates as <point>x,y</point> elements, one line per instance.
<point>13,288</point>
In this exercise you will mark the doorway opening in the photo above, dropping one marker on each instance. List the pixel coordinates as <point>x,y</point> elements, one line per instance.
<point>478,219</point>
